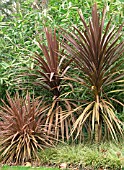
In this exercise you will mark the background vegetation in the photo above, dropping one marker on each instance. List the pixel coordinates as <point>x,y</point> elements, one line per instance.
<point>21,28</point>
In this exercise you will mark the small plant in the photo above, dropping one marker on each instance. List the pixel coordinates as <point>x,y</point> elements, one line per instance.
<point>97,52</point>
<point>49,71</point>
<point>52,66</point>
<point>21,129</point>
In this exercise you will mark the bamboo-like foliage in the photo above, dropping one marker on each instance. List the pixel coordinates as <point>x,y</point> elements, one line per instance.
<point>49,72</point>
<point>22,130</point>
<point>97,52</point>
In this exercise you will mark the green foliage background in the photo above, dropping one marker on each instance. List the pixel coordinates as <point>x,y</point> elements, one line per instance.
<point>20,29</point>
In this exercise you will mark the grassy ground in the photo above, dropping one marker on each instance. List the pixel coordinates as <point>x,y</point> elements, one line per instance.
<point>107,156</point>
<point>25,168</point>
<point>91,157</point>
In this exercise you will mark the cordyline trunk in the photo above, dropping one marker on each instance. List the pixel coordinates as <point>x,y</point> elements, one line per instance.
<point>56,93</point>
<point>96,132</point>
<point>97,128</point>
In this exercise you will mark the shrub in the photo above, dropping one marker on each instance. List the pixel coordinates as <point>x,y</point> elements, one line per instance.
<point>97,52</point>
<point>21,129</point>
<point>49,70</point>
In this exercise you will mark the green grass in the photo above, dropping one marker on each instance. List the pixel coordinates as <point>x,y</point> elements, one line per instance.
<point>108,156</point>
<point>88,156</point>
<point>25,168</point>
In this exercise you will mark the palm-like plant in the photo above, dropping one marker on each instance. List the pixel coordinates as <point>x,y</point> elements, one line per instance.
<point>97,54</point>
<point>50,69</point>
<point>49,72</point>
<point>22,130</point>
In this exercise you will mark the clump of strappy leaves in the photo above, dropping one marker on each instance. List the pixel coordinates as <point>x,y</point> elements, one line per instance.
<point>50,67</point>
<point>22,130</point>
<point>97,51</point>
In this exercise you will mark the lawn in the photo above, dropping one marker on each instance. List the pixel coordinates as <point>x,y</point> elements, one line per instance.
<point>105,155</point>
<point>25,168</point>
